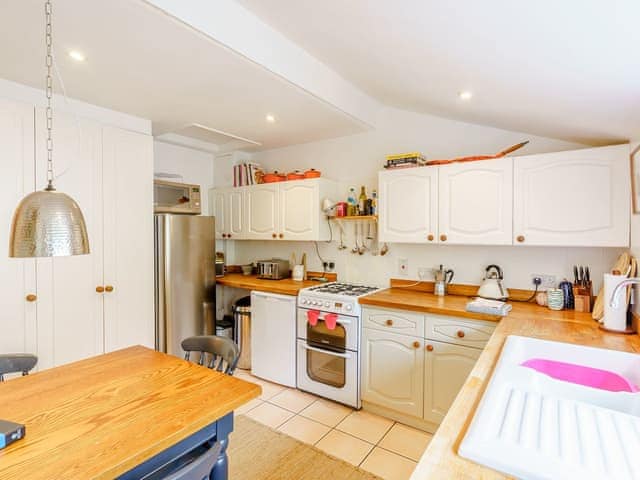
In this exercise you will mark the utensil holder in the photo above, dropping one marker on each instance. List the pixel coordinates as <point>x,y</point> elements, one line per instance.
<point>583,298</point>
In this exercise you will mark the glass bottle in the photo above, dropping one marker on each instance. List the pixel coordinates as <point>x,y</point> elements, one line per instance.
<point>362,201</point>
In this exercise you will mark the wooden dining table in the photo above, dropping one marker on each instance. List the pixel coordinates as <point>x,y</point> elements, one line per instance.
<point>119,415</point>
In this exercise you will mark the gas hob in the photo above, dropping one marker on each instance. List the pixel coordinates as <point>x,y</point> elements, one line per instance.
<point>335,297</point>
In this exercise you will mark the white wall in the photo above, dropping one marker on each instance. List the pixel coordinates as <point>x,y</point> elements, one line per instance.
<point>355,160</point>
<point>194,166</point>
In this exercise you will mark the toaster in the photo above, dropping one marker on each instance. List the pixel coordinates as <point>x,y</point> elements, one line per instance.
<point>274,269</point>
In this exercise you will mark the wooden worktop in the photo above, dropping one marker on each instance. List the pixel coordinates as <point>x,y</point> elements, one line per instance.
<point>100,417</point>
<point>440,460</point>
<point>286,286</point>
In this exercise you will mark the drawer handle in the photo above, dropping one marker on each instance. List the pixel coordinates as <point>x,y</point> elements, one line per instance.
<point>460,334</point>
<point>31,297</point>
<point>443,238</point>
<point>416,344</point>
<point>224,235</point>
<point>429,348</point>
<point>99,289</point>
<point>273,235</point>
<point>520,238</point>
<point>281,235</point>
<point>228,235</point>
<point>430,237</point>
<point>389,322</point>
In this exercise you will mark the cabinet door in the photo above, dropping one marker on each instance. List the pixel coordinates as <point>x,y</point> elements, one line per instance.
<point>69,309</point>
<point>17,275</point>
<point>299,208</point>
<point>235,223</point>
<point>262,211</point>
<point>392,371</point>
<point>577,198</point>
<point>446,368</point>
<point>475,202</point>
<point>219,208</point>
<point>128,239</point>
<point>408,205</point>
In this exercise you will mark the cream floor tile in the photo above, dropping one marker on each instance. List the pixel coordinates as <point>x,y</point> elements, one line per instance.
<point>293,400</point>
<point>303,429</point>
<point>248,406</point>
<point>327,412</point>
<point>270,415</point>
<point>344,447</point>
<point>388,465</point>
<point>406,441</point>
<point>366,426</point>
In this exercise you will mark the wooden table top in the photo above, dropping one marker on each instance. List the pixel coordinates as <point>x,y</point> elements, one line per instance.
<point>100,417</point>
<point>440,460</point>
<point>286,286</point>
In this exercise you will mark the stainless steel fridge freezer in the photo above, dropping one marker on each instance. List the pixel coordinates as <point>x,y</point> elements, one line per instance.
<point>185,288</point>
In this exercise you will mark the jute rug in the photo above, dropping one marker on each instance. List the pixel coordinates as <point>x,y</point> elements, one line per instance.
<point>257,452</point>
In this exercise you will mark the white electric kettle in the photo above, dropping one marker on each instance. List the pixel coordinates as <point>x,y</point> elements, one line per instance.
<point>492,285</point>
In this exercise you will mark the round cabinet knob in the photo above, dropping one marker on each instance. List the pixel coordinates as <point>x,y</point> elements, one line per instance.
<point>281,235</point>
<point>443,238</point>
<point>31,297</point>
<point>99,289</point>
<point>108,288</point>
<point>416,344</point>
<point>273,235</point>
<point>429,348</point>
<point>430,237</point>
<point>520,238</point>
<point>224,235</point>
<point>389,322</point>
<point>228,235</point>
<point>460,334</point>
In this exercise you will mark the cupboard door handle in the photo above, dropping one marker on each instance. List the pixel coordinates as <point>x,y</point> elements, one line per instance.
<point>273,235</point>
<point>228,235</point>
<point>389,322</point>
<point>416,344</point>
<point>31,297</point>
<point>99,289</point>
<point>443,237</point>
<point>520,238</point>
<point>224,235</point>
<point>429,348</point>
<point>430,237</point>
<point>460,334</point>
<point>108,288</point>
<point>281,235</point>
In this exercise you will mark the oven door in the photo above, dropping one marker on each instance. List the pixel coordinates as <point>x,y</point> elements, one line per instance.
<point>329,373</point>
<point>344,335</point>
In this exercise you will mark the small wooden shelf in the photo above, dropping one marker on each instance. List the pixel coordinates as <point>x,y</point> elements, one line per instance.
<point>367,218</point>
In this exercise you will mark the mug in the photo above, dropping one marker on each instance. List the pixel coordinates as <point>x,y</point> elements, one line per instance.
<point>555,299</point>
<point>298,273</point>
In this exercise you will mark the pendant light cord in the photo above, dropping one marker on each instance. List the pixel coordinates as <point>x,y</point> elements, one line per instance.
<point>49,89</point>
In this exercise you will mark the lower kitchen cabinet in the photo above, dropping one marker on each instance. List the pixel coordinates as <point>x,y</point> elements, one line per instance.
<point>446,368</point>
<point>392,371</point>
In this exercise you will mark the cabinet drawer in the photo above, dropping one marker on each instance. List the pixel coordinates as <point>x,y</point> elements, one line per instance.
<point>393,321</point>
<point>460,332</point>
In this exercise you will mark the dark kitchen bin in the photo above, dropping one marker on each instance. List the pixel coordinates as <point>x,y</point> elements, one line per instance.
<point>242,330</point>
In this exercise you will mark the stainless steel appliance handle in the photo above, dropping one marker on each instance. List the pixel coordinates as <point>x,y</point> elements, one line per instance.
<point>328,352</point>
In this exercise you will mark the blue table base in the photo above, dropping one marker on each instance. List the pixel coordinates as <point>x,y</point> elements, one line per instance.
<point>216,432</point>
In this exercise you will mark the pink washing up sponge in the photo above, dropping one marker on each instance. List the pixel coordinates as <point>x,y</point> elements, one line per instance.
<point>581,375</point>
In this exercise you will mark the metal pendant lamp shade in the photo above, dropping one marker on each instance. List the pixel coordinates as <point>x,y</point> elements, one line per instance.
<point>48,224</point>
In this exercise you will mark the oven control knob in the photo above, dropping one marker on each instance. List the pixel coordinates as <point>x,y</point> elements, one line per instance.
<point>316,303</point>
<point>326,304</point>
<point>348,307</point>
<point>303,301</point>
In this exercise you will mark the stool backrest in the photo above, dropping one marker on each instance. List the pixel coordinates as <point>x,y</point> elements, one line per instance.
<point>223,351</point>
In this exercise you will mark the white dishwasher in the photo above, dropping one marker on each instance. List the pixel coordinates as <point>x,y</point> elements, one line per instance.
<point>273,337</point>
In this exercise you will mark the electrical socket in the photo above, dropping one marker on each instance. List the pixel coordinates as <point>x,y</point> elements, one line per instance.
<point>403,266</point>
<point>548,281</point>
<point>423,272</point>
<point>328,266</point>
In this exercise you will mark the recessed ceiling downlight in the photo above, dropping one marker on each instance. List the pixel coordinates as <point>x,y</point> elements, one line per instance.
<point>270,118</point>
<point>465,95</point>
<point>77,55</point>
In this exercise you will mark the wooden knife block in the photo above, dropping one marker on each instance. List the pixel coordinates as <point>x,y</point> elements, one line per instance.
<point>583,298</point>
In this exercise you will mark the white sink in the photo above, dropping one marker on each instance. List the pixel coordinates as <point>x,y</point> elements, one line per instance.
<point>532,426</point>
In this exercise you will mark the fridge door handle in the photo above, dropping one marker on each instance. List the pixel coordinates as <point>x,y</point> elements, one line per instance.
<point>328,352</point>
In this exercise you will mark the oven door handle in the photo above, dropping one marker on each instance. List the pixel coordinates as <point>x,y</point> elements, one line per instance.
<point>342,321</point>
<point>328,352</point>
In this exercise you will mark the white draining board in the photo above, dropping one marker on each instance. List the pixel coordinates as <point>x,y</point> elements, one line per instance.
<point>534,427</point>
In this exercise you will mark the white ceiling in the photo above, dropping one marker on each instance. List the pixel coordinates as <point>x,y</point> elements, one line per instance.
<point>567,69</point>
<point>143,62</point>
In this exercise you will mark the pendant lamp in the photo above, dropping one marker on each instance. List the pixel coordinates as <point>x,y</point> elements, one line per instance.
<point>48,223</point>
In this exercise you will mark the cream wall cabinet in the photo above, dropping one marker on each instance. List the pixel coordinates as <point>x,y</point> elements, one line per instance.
<point>65,309</point>
<point>274,211</point>
<point>415,364</point>
<point>575,198</point>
